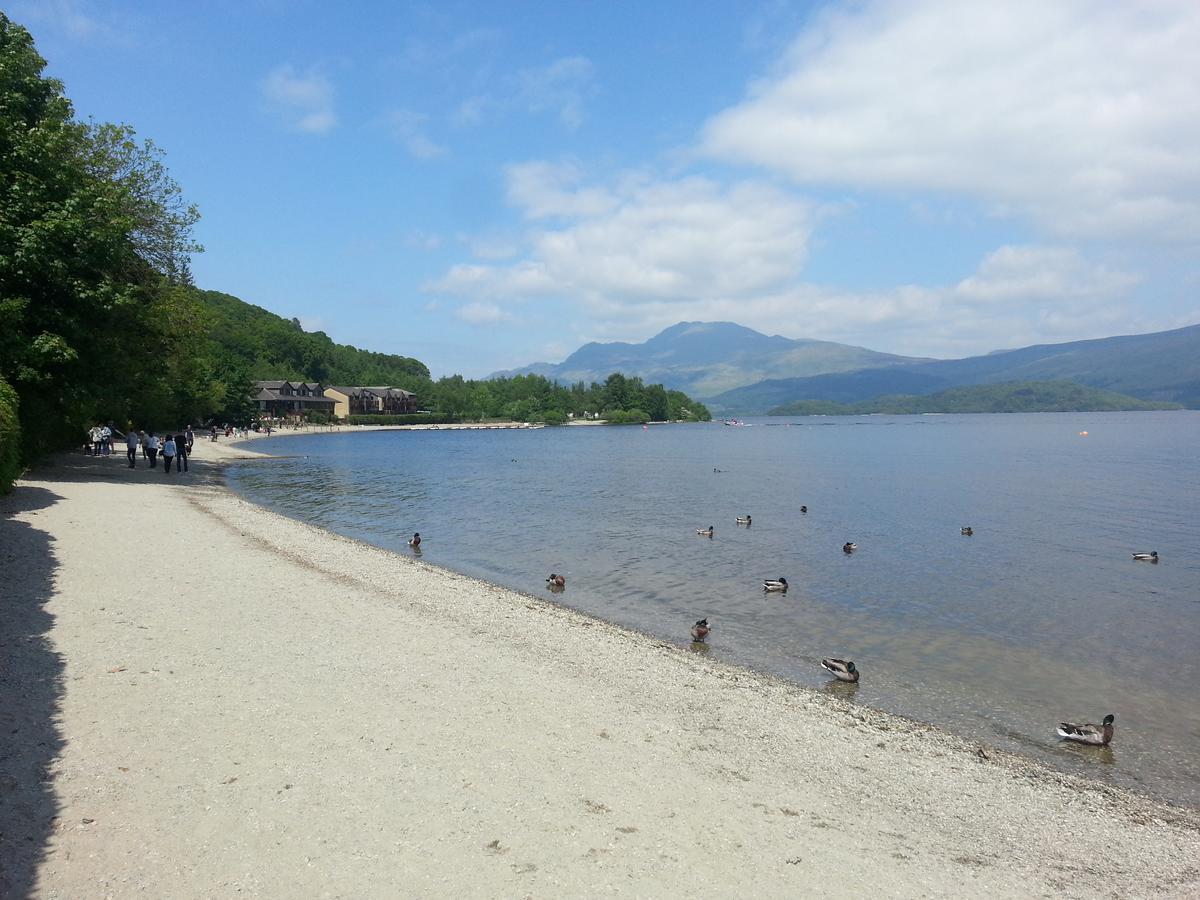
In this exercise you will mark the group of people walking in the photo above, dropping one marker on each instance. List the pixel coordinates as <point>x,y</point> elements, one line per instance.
<point>173,448</point>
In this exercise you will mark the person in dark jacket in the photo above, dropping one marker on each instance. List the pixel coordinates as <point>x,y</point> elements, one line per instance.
<point>181,453</point>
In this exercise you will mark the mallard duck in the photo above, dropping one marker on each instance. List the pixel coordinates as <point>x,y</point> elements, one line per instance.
<point>744,520</point>
<point>849,547</point>
<point>775,584</point>
<point>843,669</point>
<point>415,540</point>
<point>700,631</point>
<point>967,531</point>
<point>1152,556</point>
<point>556,580</point>
<point>707,532</point>
<point>1099,735</point>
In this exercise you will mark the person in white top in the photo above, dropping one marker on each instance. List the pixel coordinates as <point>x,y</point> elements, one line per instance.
<point>168,451</point>
<point>152,449</point>
<point>94,440</point>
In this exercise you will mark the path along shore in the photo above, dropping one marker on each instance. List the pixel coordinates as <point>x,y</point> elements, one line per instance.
<point>199,698</point>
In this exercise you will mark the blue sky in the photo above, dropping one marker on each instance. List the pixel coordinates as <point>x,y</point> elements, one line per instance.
<point>483,185</point>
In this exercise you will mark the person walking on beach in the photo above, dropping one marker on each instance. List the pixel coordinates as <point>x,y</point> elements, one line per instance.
<point>190,437</point>
<point>94,440</point>
<point>131,447</point>
<point>181,453</point>
<point>168,450</point>
<point>142,441</point>
<point>106,434</point>
<point>152,449</point>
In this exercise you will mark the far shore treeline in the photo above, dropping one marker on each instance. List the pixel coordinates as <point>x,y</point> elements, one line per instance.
<point>100,320</point>
<point>1008,397</point>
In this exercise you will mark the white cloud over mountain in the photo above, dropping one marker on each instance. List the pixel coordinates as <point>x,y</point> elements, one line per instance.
<point>1076,120</point>
<point>1081,116</point>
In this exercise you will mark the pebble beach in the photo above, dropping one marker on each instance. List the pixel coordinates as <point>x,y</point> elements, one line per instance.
<point>202,698</point>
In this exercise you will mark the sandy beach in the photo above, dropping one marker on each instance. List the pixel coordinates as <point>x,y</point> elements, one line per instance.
<point>200,698</point>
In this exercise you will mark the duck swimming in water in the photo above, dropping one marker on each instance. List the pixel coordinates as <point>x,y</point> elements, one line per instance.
<point>556,580</point>
<point>1096,735</point>
<point>415,540</point>
<point>775,584</point>
<point>700,631</point>
<point>707,532</point>
<point>1152,556</point>
<point>804,509</point>
<point>843,669</point>
<point>744,520</point>
<point>849,547</point>
<point>967,531</point>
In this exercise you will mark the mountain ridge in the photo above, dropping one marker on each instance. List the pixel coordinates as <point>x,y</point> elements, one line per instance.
<point>707,358</point>
<point>767,371</point>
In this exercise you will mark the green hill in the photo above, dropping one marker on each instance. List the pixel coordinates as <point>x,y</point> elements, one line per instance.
<point>1161,366</point>
<point>261,345</point>
<point>1015,396</point>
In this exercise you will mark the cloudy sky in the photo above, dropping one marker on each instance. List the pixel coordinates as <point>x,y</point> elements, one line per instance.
<point>482,185</point>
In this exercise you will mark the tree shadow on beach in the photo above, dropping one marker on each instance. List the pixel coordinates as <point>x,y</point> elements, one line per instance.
<point>31,676</point>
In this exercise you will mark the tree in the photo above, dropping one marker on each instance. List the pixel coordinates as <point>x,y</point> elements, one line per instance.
<point>93,239</point>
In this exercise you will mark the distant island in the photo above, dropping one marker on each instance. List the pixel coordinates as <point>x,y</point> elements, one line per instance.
<point>1010,397</point>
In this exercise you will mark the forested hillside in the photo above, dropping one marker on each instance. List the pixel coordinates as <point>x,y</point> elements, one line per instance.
<point>1017,396</point>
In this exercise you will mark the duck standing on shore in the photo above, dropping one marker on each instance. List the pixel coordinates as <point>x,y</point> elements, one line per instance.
<point>843,669</point>
<point>415,541</point>
<point>779,584</point>
<point>706,532</point>
<point>1152,556</point>
<point>557,581</point>
<point>1096,735</point>
<point>700,631</point>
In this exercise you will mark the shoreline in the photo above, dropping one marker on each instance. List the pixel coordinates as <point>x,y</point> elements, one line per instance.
<point>445,732</point>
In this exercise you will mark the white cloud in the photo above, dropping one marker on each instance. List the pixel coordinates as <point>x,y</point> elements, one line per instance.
<point>642,244</point>
<point>481,313</point>
<point>1083,117</point>
<point>76,19</point>
<point>638,255</point>
<point>559,88</point>
<point>408,128</point>
<point>1018,295</point>
<point>425,241</point>
<point>305,100</point>
<point>543,189</point>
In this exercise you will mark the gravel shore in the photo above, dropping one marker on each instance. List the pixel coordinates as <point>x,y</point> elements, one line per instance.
<point>200,698</point>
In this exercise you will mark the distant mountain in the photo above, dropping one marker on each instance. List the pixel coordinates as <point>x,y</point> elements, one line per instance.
<point>707,358</point>
<point>1012,396</point>
<point>1162,366</point>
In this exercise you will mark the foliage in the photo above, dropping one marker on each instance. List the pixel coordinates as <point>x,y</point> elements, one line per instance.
<point>535,398</point>
<point>248,343</point>
<point>94,321</point>
<point>1014,396</point>
<point>10,438</point>
<point>404,419</point>
<point>317,417</point>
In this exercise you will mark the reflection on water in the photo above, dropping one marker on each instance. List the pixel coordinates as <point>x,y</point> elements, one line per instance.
<point>1042,615</point>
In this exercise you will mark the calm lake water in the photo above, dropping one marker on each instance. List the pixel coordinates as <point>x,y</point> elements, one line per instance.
<point>1041,616</point>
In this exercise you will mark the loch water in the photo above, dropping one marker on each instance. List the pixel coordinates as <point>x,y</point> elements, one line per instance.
<point>1041,616</point>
